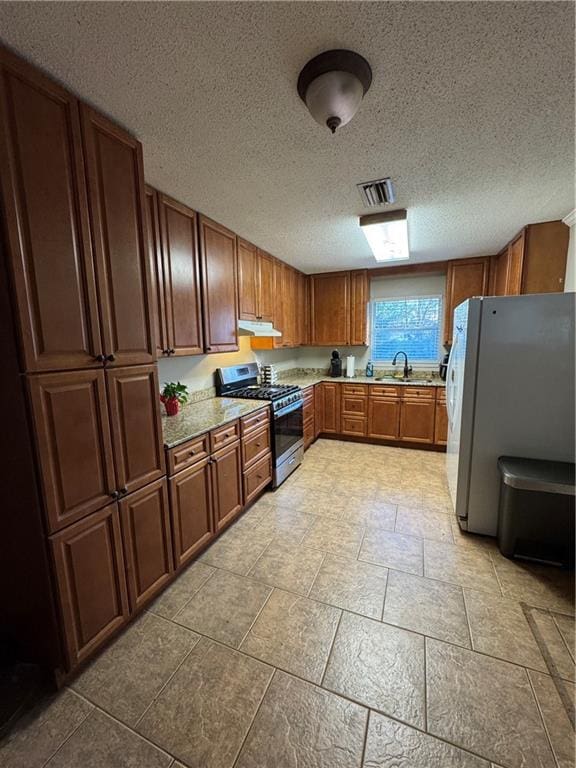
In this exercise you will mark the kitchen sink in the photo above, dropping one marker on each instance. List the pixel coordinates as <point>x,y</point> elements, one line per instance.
<point>393,380</point>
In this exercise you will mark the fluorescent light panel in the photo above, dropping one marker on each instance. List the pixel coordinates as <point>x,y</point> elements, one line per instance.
<point>387,235</point>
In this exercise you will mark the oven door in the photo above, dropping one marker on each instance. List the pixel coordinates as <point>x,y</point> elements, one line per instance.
<point>288,430</point>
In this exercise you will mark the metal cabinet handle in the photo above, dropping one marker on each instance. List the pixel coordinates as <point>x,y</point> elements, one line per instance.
<point>191,453</point>
<point>123,491</point>
<point>165,351</point>
<point>115,495</point>
<point>171,351</point>
<point>100,358</point>
<point>110,358</point>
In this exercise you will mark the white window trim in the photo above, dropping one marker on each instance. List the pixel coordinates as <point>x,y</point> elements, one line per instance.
<point>419,363</point>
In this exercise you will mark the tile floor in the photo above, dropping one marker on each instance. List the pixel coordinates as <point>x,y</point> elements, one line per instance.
<point>343,622</point>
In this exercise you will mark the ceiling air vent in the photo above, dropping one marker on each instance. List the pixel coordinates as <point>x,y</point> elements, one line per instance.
<point>378,192</point>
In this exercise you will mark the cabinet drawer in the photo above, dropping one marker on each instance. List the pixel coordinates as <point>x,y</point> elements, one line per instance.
<point>354,425</point>
<point>255,420</point>
<point>224,435</point>
<point>255,445</point>
<point>187,454</point>
<point>377,390</point>
<point>308,393</point>
<point>308,410</point>
<point>257,478</point>
<point>355,389</point>
<point>441,394</point>
<point>419,393</point>
<point>354,405</point>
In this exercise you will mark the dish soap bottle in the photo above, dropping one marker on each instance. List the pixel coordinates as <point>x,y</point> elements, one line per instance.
<point>369,369</point>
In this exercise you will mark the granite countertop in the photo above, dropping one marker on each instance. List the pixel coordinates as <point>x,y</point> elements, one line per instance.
<point>308,379</point>
<point>196,418</point>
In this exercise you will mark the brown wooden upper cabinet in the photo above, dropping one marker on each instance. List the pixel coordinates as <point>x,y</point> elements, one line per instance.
<point>533,262</point>
<point>175,262</point>
<point>115,176</point>
<point>157,271</point>
<point>465,278</point>
<point>256,283</point>
<point>219,286</point>
<point>46,225</point>
<point>338,307</point>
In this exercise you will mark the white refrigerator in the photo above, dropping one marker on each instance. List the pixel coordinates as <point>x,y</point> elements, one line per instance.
<point>509,392</point>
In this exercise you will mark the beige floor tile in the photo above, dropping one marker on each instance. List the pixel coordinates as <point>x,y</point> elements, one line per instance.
<point>181,590</point>
<point>225,607</point>
<point>424,523</point>
<point>302,726</point>
<point>294,634</point>
<point>369,513</point>
<point>473,541</point>
<point>126,677</point>
<point>203,715</point>
<point>499,628</point>
<point>538,585</point>
<point>288,525</point>
<point>550,637</point>
<point>457,565</point>
<point>101,741</point>
<point>484,705</point>
<point>288,566</point>
<point>433,608</point>
<point>391,744</point>
<point>237,551</point>
<point>556,702</point>
<point>379,666</point>
<point>350,584</point>
<point>393,550</point>
<point>567,628</point>
<point>335,537</point>
<point>38,734</point>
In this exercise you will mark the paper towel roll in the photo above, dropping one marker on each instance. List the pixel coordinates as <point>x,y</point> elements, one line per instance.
<point>350,369</point>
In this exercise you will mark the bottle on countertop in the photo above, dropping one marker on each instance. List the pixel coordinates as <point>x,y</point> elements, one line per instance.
<point>370,369</point>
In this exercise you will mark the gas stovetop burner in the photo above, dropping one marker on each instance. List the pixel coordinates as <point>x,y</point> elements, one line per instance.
<point>264,393</point>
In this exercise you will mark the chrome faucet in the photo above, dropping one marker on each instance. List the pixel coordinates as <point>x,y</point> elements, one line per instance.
<point>407,368</point>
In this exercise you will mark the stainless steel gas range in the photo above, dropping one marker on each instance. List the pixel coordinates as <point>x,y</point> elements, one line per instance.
<point>287,413</point>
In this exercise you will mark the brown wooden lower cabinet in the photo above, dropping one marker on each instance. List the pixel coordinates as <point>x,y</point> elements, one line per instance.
<point>90,576</point>
<point>257,478</point>
<point>417,420</point>
<point>193,523</point>
<point>255,446</point>
<point>384,418</point>
<point>309,432</point>
<point>226,466</point>
<point>147,539</point>
<point>330,405</point>
<point>441,423</point>
<point>318,410</point>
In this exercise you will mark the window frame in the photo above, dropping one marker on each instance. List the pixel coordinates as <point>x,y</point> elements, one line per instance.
<point>417,362</point>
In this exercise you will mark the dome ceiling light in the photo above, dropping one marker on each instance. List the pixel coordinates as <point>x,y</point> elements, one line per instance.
<point>333,84</point>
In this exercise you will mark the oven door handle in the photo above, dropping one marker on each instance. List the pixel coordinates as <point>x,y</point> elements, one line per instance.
<point>288,409</point>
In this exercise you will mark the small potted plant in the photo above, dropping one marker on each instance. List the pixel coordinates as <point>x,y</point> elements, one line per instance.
<point>173,395</point>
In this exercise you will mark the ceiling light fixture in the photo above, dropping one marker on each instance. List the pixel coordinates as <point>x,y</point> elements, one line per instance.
<point>333,84</point>
<point>387,234</point>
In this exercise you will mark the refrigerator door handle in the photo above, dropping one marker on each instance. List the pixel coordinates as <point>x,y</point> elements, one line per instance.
<point>450,381</point>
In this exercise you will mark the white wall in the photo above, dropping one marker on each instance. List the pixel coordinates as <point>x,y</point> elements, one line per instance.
<point>570,279</point>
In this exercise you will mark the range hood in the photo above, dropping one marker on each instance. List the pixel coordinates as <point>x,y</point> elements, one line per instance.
<point>252,328</point>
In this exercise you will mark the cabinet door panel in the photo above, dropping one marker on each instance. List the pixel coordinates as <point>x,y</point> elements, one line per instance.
<point>90,580</point>
<point>227,484</point>
<point>353,425</point>
<point>318,409</point>
<point>417,421</point>
<point>70,417</point>
<point>248,280</point>
<point>354,405</point>
<point>46,220</point>
<point>136,428</point>
<point>182,277</point>
<point>384,418</point>
<point>331,408</point>
<point>465,278</point>
<point>147,537</point>
<point>257,478</point>
<point>441,424</point>
<point>330,308</point>
<point>515,264</point>
<point>359,289</point>
<point>192,511</point>
<point>156,271</point>
<point>219,287</point>
<point>117,209</point>
<point>266,286</point>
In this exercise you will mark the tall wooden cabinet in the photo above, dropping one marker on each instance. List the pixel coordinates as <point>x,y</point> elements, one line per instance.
<point>219,286</point>
<point>255,283</point>
<point>77,312</point>
<point>338,308</point>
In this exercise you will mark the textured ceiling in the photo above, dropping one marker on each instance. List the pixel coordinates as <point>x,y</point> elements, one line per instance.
<point>471,112</point>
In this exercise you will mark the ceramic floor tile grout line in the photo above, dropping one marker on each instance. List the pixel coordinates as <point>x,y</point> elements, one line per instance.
<point>87,715</point>
<point>258,708</point>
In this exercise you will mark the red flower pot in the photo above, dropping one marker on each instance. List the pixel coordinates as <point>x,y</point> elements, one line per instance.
<point>171,404</point>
